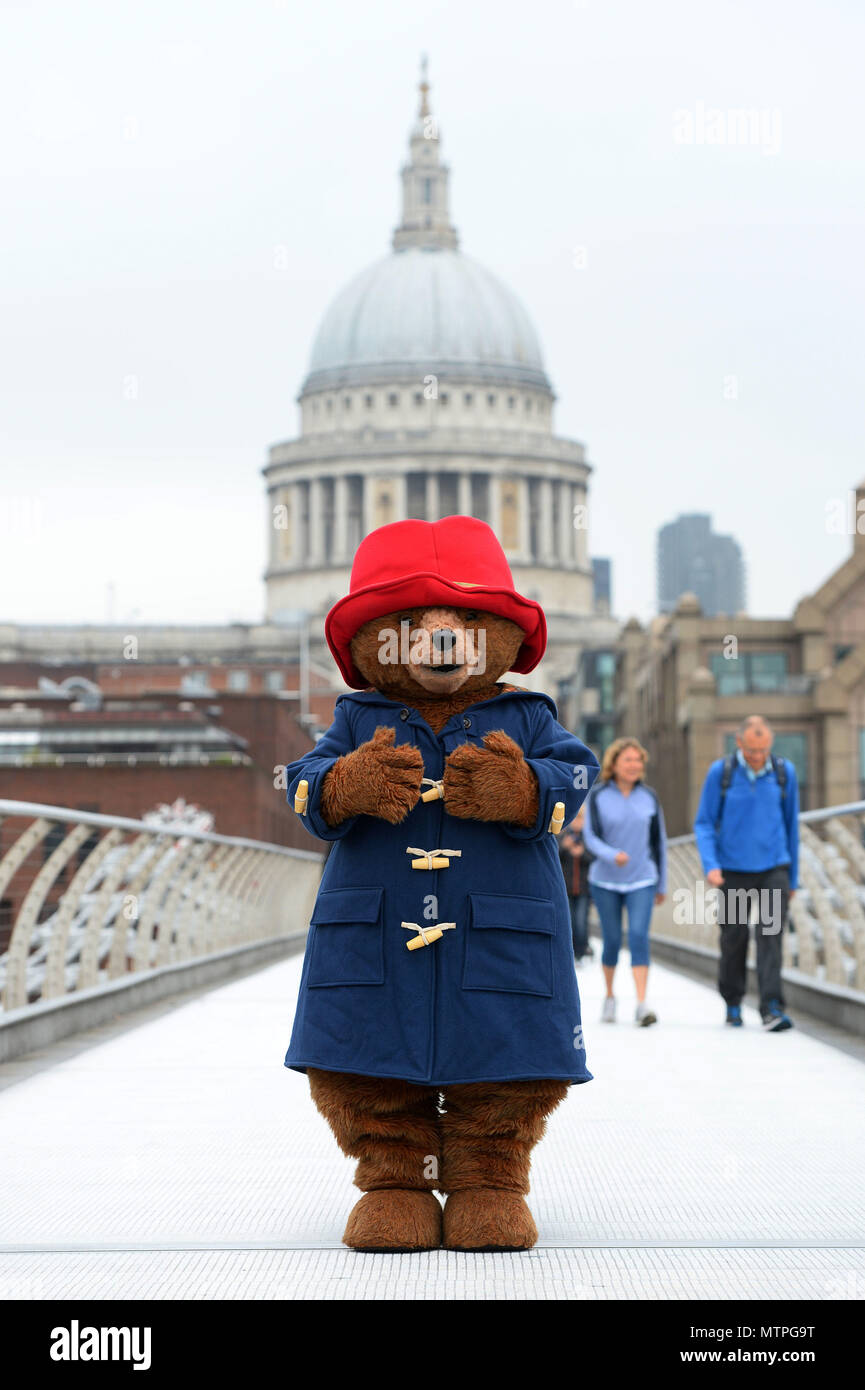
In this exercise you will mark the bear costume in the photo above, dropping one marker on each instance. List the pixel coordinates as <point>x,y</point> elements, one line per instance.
<point>438,1016</point>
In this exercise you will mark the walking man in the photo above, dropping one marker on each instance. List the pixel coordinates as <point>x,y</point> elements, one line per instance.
<point>747,832</point>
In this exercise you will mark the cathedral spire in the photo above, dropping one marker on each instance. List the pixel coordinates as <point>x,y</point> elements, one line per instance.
<point>425,212</point>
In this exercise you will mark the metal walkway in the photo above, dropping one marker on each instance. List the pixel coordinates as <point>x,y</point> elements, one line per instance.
<point>178,1159</point>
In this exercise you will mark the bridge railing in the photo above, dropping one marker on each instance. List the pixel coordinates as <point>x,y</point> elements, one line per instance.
<point>825,939</point>
<point>86,899</point>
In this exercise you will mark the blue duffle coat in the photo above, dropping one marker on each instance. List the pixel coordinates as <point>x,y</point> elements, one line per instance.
<point>495,997</point>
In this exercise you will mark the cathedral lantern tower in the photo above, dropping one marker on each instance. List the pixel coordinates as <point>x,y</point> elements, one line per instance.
<point>426,396</point>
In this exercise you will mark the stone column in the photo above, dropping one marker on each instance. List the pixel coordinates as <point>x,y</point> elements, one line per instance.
<point>368,522</point>
<point>340,520</point>
<point>464,494</point>
<point>400,495</point>
<point>581,533</point>
<point>547,546</point>
<point>432,496</point>
<point>316,523</point>
<point>495,504</point>
<point>565,524</point>
<point>523,520</point>
<point>300,540</point>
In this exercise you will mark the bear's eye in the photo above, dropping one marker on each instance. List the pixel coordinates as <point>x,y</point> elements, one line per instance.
<point>470,617</point>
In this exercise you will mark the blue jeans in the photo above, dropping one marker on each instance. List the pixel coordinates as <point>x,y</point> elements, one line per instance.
<point>609,904</point>
<point>579,906</point>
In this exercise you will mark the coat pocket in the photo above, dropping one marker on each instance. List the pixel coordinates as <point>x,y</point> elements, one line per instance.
<point>347,945</point>
<point>509,944</point>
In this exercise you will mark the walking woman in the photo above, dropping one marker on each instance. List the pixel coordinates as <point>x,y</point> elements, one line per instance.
<point>624,830</point>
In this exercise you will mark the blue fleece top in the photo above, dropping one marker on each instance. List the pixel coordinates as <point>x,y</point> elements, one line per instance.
<point>757,830</point>
<point>625,821</point>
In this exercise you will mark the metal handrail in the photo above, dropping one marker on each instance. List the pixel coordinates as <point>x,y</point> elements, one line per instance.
<point>849,808</point>
<point>826,936</point>
<point>139,896</point>
<point>173,828</point>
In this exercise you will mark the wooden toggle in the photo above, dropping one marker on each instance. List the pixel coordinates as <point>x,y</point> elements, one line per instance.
<point>301,797</point>
<point>557,819</point>
<point>427,934</point>
<point>432,858</point>
<point>436,789</point>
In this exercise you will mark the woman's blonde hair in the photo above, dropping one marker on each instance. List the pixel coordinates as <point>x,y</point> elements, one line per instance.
<point>608,766</point>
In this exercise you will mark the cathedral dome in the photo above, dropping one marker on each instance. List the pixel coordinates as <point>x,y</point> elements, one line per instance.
<point>425,309</point>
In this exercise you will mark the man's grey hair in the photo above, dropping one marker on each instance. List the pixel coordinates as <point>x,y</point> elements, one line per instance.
<point>754,721</point>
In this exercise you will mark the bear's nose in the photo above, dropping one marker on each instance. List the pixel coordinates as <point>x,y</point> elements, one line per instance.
<point>444,640</point>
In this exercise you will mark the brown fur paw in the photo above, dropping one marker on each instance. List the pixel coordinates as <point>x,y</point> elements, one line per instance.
<point>487,1218</point>
<point>378,778</point>
<point>394,1218</point>
<point>491,783</point>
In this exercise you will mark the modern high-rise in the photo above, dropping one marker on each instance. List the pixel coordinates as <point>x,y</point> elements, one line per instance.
<point>694,559</point>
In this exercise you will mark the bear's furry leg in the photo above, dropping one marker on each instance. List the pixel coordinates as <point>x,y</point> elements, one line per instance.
<point>488,1132</point>
<point>392,1128</point>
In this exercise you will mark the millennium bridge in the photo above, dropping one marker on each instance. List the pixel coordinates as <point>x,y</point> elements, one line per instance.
<point>153,1145</point>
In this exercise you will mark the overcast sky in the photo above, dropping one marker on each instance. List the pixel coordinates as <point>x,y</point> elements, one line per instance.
<point>705,344</point>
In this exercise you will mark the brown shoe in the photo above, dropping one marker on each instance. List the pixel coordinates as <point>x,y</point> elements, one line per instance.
<point>395,1218</point>
<point>488,1218</point>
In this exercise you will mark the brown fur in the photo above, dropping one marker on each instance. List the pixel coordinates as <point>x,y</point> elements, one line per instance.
<point>503,640</point>
<point>375,779</point>
<point>480,1144</point>
<point>394,1220</point>
<point>492,782</point>
<point>481,1141</point>
<point>390,1126</point>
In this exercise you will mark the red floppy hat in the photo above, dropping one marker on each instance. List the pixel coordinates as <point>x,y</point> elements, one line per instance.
<point>453,563</point>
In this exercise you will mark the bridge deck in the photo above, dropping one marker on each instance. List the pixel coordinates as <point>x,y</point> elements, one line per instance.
<point>179,1159</point>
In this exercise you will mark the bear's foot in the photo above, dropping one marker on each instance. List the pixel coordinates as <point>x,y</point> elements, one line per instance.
<point>488,1218</point>
<point>396,1219</point>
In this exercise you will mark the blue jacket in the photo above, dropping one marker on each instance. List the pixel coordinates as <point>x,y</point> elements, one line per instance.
<point>625,821</point>
<point>495,998</point>
<point>757,832</point>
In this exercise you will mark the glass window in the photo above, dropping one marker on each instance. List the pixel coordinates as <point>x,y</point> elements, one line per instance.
<point>196,683</point>
<point>794,747</point>
<point>238,680</point>
<point>768,670</point>
<point>729,674</point>
<point>750,671</point>
<point>274,680</point>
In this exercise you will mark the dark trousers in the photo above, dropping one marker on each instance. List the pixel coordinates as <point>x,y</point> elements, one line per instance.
<point>580,923</point>
<point>734,911</point>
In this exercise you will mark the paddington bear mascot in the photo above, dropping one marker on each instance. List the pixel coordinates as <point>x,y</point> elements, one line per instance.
<point>438,1018</point>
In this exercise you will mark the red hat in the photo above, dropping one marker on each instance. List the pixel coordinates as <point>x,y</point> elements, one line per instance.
<point>455,563</point>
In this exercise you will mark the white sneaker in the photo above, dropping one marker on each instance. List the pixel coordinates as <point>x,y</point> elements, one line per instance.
<point>644,1015</point>
<point>609,1014</point>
